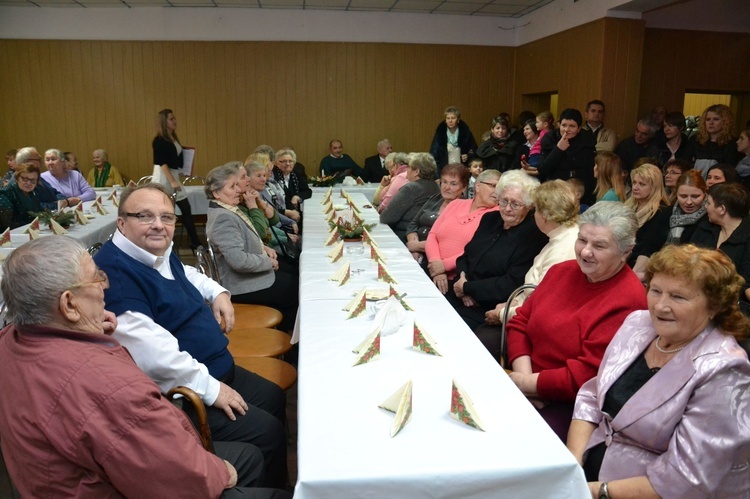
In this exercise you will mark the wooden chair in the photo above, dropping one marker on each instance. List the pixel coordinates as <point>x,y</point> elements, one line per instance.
<point>258,342</point>
<point>200,410</point>
<point>246,315</point>
<point>274,370</point>
<point>503,333</point>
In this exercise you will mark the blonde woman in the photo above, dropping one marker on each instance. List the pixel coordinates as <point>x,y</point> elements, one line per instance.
<point>650,203</point>
<point>610,185</point>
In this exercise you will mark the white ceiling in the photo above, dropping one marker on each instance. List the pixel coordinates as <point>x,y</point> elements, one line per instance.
<point>495,8</point>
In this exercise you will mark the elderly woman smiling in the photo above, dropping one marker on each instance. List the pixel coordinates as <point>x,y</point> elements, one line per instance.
<point>247,267</point>
<point>500,253</point>
<point>70,183</point>
<point>456,226</point>
<point>557,338</point>
<point>667,415</point>
<point>103,174</point>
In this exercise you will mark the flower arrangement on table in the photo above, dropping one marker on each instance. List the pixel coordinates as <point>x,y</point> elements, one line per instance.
<point>350,229</point>
<point>324,181</point>
<point>64,218</point>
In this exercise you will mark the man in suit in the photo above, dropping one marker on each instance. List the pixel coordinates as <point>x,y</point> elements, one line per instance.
<point>375,165</point>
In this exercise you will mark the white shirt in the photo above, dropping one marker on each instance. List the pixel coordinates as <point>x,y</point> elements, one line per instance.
<point>154,349</point>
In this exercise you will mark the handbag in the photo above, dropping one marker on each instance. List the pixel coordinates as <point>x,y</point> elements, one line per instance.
<point>289,249</point>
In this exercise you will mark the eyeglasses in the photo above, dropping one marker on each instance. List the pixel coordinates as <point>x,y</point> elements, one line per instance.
<point>515,206</point>
<point>673,172</point>
<point>286,161</point>
<point>101,277</point>
<point>27,180</point>
<point>146,218</point>
<point>488,183</point>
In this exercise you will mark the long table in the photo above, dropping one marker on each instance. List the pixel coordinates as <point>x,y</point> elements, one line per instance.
<point>344,443</point>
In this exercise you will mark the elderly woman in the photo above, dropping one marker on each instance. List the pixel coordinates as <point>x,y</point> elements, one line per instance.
<point>556,214</point>
<point>453,181</point>
<point>499,150</point>
<point>456,226</point>
<point>56,307</point>
<point>500,253</point>
<point>667,414</point>
<point>557,338</point>
<point>274,193</point>
<point>18,201</point>
<point>453,140</point>
<point>728,229</point>
<point>295,187</point>
<point>714,142</point>
<point>672,171</point>
<point>651,206</point>
<point>69,183</point>
<point>412,196</point>
<point>395,182</point>
<point>690,208</point>
<point>247,267</point>
<point>103,174</point>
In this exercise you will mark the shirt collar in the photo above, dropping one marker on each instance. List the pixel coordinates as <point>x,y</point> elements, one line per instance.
<point>138,253</point>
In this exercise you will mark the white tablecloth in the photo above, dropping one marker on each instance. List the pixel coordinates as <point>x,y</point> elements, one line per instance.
<point>367,189</point>
<point>344,444</point>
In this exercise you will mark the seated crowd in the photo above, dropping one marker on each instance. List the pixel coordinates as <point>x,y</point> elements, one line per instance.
<point>639,251</point>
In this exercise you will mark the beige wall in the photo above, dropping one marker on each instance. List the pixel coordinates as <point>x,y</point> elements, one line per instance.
<point>230,97</point>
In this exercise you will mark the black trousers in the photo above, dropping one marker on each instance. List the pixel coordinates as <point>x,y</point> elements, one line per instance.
<point>262,425</point>
<point>283,295</point>
<point>248,461</point>
<point>187,222</point>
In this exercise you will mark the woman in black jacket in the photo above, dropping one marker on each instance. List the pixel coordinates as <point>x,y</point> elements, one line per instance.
<point>499,150</point>
<point>453,141</point>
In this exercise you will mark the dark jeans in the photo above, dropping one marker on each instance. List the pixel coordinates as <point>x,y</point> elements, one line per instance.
<point>262,425</point>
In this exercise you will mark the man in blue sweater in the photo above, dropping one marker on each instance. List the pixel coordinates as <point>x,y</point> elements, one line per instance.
<point>176,338</point>
<point>339,163</point>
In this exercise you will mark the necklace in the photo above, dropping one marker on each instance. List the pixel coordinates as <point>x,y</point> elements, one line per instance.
<point>674,350</point>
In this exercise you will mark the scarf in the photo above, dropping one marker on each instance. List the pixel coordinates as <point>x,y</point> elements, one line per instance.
<point>498,144</point>
<point>100,177</point>
<point>679,220</point>
<point>239,213</point>
<point>452,136</point>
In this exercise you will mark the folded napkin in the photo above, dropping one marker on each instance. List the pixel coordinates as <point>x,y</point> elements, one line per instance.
<point>375,253</point>
<point>367,238</point>
<point>337,252</point>
<point>400,298</point>
<point>57,229</point>
<point>99,208</point>
<point>391,317</point>
<point>369,349</point>
<point>33,226</point>
<point>357,305</point>
<point>342,274</point>
<point>327,196</point>
<point>328,208</point>
<point>99,199</point>
<point>131,184</point>
<point>33,234</point>
<point>112,195</point>
<point>384,275</point>
<point>400,403</point>
<point>116,201</point>
<point>5,238</point>
<point>343,193</point>
<point>331,238</point>
<point>462,409</point>
<point>423,342</point>
<point>80,216</point>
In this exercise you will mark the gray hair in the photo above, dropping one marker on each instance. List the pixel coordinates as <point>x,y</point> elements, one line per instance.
<point>33,282</point>
<point>218,177</point>
<point>128,191</point>
<point>390,157</point>
<point>383,142</point>
<point>650,124</point>
<point>286,152</point>
<point>22,156</point>
<point>101,153</point>
<point>425,163</point>
<point>56,152</point>
<point>517,179</point>
<point>266,149</point>
<point>400,158</point>
<point>254,166</point>
<point>620,219</point>
<point>491,175</point>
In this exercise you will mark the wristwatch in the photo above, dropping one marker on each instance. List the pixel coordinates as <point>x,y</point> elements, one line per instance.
<point>604,491</point>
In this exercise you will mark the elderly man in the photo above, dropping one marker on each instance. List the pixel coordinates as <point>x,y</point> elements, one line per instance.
<point>176,338</point>
<point>375,168</point>
<point>77,416</point>
<point>339,163</point>
<point>606,139</point>
<point>638,145</point>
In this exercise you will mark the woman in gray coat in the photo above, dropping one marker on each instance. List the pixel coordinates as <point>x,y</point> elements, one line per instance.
<point>248,269</point>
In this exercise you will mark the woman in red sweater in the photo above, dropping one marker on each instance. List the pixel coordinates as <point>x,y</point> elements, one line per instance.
<point>557,338</point>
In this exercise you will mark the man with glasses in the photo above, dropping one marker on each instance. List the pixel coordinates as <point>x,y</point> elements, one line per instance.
<point>176,337</point>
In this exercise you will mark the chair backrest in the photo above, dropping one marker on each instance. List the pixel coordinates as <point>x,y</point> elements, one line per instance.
<point>503,333</point>
<point>213,267</point>
<point>194,180</point>
<point>145,179</point>
<point>200,261</point>
<point>94,248</point>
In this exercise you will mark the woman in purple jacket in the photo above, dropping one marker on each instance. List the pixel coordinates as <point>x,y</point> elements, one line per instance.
<point>668,414</point>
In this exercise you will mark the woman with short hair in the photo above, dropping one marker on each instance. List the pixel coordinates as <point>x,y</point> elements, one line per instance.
<point>295,187</point>
<point>667,415</point>
<point>453,140</point>
<point>69,183</point>
<point>103,174</point>
<point>412,196</point>
<point>557,338</point>
<point>18,202</point>
<point>498,152</point>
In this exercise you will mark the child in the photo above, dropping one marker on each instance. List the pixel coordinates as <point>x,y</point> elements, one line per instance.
<point>544,123</point>
<point>476,166</point>
<point>579,188</point>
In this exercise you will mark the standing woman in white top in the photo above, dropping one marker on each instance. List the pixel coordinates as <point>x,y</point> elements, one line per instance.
<point>168,155</point>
